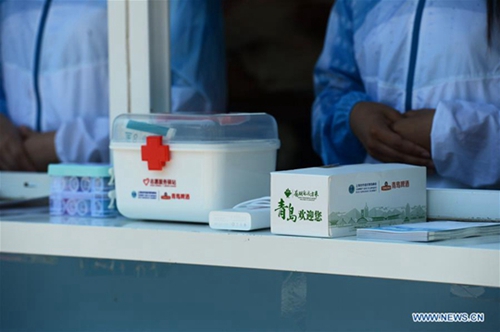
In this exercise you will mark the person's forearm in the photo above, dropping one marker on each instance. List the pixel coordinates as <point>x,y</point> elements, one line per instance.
<point>41,149</point>
<point>416,127</point>
<point>371,122</point>
<point>13,155</point>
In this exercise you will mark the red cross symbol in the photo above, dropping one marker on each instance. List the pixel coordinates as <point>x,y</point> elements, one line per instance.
<point>155,153</point>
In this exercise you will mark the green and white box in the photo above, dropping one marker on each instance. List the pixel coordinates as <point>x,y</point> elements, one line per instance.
<point>335,201</point>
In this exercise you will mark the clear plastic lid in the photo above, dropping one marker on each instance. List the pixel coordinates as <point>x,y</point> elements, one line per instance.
<point>191,128</point>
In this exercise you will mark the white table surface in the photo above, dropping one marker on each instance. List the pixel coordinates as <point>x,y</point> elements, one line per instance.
<point>470,261</point>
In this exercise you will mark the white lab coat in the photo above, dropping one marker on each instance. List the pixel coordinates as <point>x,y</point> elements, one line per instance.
<point>69,93</point>
<point>367,57</point>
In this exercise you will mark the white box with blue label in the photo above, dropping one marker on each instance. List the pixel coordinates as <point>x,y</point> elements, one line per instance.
<point>180,167</point>
<point>335,201</point>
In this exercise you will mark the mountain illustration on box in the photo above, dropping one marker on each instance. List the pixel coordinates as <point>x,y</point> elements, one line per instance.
<point>378,216</point>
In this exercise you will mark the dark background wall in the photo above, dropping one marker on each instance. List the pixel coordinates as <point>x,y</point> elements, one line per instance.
<point>272,46</point>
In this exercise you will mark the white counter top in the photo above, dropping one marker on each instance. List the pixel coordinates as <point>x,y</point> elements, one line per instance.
<point>472,261</point>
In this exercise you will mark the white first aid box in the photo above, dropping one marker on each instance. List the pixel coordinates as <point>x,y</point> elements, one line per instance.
<point>179,167</point>
<point>335,201</point>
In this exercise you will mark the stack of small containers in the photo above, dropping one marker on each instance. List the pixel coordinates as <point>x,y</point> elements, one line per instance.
<point>82,190</point>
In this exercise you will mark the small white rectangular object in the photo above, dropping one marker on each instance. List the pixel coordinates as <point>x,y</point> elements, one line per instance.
<point>463,204</point>
<point>23,185</point>
<point>335,201</point>
<point>244,219</point>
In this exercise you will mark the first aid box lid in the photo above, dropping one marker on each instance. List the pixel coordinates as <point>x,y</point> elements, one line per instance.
<point>230,128</point>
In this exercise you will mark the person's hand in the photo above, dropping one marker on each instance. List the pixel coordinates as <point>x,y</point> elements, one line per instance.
<point>416,127</point>
<point>372,124</point>
<point>13,155</point>
<point>40,147</point>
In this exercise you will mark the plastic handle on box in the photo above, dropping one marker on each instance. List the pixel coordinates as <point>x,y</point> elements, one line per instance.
<point>111,173</point>
<point>112,197</point>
